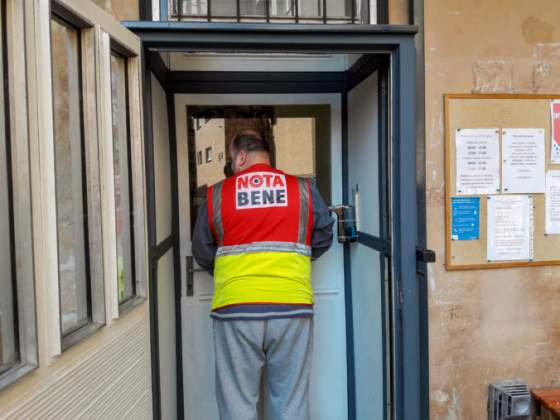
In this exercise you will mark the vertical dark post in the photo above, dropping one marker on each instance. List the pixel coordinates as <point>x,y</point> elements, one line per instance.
<point>151,215</point>
<point>353,13</point>
<point>238,5</point>
<point>192,113</point>
<point>145,9</point>
<point>404,222</point>
<point>209,10</point>
<point>349,309</point>
<point>417,18</point>
<point>382,12</point>
<point>296,8</point>
<point>384,223</point>
<point>176,249</point>
<point>179,10</point>
<point>267,5</point>
<point>324,11</point>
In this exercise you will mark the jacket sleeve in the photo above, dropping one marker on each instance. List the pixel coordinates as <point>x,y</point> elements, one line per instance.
<point>322,235</point>
<point>203,244</point>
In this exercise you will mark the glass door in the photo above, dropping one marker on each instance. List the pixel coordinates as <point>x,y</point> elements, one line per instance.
<point>369,258</point>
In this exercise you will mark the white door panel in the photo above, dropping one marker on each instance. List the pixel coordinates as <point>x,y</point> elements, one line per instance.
<point>165,275</point>
<point>367,277</point>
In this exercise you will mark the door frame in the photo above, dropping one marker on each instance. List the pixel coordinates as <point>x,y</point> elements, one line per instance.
<point>398,41</point>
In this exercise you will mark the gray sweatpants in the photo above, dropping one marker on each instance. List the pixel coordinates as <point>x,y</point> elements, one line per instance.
<point>243,348</point>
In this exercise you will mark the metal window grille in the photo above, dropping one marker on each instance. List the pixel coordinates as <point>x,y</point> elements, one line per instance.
<point>271,11</point>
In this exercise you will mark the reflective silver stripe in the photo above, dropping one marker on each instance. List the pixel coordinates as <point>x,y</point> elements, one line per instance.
<point>304,199</point>
<point>262,314</point>
<point>217,210</point>
<point>264,247</point>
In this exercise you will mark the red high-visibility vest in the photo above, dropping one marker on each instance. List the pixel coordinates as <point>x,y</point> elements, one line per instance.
<point>262,220</point>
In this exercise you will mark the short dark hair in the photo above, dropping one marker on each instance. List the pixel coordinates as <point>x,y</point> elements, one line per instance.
<point>250,141</point>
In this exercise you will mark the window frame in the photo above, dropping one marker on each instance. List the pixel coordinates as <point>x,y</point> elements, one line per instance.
<point>208,154</point>
<point>9,181</point>
<point>359,12</point>
<point>96,26</point>
<point>95,287</point>
<point>108,42</point>
<point>119,51</point>
<point>19,190</point>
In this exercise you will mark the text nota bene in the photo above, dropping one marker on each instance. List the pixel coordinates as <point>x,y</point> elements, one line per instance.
<point>260,190</point>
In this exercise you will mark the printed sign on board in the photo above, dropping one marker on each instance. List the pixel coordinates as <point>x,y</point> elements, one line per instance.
<point>555,131</point>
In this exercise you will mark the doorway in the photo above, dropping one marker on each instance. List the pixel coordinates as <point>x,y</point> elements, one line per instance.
<point>380,169</point>
<point>307,133</point>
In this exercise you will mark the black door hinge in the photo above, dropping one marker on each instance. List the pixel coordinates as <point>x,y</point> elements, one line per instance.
<point>425,256</point>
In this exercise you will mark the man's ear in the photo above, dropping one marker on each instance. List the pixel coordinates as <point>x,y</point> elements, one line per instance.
<point>242,157</point>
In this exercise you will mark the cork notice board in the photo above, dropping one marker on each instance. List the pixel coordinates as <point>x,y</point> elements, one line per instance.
<point>496,111</point>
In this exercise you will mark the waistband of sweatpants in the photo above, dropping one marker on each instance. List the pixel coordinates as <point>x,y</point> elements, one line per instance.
<point>262,311</point>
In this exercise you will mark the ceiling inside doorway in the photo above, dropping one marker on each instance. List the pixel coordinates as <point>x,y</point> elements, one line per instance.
<point>213,61</point>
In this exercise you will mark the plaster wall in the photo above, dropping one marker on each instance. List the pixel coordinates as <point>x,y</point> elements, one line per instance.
<point>398,12</point>
<point>485,325</point>
<point>211,135</point>
<point>120,9</point>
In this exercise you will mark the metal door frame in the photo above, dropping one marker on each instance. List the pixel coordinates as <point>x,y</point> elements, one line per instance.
<point>398,41</point>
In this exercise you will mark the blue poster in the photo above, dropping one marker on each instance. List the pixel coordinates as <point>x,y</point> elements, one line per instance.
<point>465,218</point>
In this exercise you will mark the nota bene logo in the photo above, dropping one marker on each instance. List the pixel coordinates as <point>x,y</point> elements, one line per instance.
<point>261,189</point>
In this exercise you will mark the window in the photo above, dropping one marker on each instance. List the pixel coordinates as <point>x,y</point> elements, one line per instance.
<point>199,157</point>
<point>123,189</point>
<point>273,11</point>
<point>18,339</point>
<point>209,154</point>
<point>283,8</point>
<point>71,200</point>
<point>99,205</point>
<point>305,128</point>
<point>9,354</point>
<point>252,7</point>
<point>8,316</point>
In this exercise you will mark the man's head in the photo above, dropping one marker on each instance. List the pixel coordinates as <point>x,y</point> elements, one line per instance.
<point>247,149</point>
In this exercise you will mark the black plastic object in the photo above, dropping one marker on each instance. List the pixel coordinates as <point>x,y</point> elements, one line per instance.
<point>346,225</point>
<point>425,256</point>
<point>190,276</point>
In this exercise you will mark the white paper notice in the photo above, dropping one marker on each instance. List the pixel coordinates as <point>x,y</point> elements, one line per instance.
<point>552,203</point>
<point>477,152</point>
<point>523,160</point>
<point>510,227</point>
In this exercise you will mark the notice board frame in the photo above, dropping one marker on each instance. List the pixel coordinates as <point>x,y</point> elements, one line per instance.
<point>451,247</point>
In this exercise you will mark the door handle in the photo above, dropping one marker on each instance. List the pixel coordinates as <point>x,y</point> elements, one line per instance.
<point>190,276</point>
<point>346,224</point>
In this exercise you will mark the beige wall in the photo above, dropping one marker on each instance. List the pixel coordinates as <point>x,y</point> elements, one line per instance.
<point>495,324</point>
<point>398,12</point>
<point>121,9</point>
<point>211,134</point>
<point>295,134</point>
